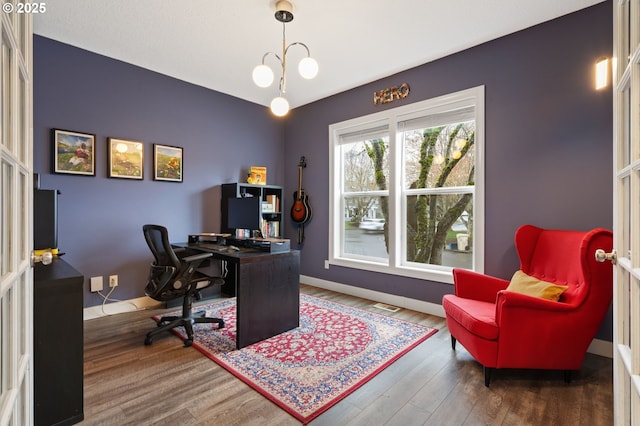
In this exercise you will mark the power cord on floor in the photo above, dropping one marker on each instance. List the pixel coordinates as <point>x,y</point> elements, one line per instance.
<point>224,268</point>
<point>107,298</point>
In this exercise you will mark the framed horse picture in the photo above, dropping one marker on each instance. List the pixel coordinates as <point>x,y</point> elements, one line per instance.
<point>73,152</point>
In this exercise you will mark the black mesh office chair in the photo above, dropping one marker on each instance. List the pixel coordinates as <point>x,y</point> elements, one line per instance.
<point>172,277</point>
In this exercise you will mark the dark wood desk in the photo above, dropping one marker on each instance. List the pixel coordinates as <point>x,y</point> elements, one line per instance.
<point>58,359</point>
<point>267,290</point>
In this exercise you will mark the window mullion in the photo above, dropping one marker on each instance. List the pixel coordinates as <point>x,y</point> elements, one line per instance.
<point>393,227</point>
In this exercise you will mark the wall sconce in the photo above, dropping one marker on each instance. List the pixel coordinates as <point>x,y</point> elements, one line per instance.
<point>262,74</point>
<point>602,73</point>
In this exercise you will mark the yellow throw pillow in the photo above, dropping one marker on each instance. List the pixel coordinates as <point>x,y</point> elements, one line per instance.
<point>525,284</point>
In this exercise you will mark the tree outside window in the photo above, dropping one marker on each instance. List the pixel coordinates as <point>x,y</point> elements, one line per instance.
<point>439,172</point>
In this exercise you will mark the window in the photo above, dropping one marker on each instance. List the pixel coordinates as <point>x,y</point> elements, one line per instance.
<point>407,188</point>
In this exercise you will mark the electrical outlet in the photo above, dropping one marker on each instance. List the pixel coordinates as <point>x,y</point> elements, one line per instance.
<point>113,281</point>
<point>96,284</point>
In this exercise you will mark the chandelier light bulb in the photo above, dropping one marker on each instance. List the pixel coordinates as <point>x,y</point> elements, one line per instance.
<point>308,68</point>
<point>279,106</point>
<point>262,76</point>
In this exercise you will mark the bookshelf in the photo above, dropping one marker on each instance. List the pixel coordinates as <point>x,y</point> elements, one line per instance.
<point>271,206</point>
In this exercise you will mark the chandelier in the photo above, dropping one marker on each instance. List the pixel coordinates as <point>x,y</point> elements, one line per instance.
<point>263,75</point>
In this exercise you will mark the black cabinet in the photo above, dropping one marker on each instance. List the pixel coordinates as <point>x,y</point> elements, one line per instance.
<point>270,211</point>
<point>58,344</point>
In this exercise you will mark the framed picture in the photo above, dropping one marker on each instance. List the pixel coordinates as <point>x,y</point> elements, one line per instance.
<point>73,152</point>
<point>126,159</point>
<point>167,163</point>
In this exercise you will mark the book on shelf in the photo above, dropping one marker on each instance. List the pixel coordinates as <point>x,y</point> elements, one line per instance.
<point>274,201</point>
<point>270,228</point>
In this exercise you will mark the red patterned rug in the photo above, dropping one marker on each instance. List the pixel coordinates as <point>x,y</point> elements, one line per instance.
<point>305,371</point>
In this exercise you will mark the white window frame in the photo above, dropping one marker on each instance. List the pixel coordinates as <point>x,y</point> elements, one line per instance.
<point>396,266</point>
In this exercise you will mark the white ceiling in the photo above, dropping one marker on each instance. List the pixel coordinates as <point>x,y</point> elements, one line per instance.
<point>216,44</point>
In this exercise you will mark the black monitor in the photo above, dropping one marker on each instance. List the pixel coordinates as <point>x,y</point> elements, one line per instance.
<point>45,219</point>
<point>244,213</point>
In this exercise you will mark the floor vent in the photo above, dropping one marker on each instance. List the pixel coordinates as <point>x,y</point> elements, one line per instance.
<point>385,307</point>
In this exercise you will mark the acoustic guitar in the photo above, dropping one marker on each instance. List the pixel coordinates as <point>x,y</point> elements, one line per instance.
<point>301,210</point>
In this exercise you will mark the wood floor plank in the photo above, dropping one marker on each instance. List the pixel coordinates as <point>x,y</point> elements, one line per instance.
<point>128,383</point>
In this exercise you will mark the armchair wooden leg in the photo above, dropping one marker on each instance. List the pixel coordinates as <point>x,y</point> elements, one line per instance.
<point>487,375</point>
<point>567,376</point>
<point>453,343</point>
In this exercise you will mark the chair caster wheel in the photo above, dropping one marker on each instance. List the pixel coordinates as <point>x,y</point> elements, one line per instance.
<point>188,342</point>
<point>147,341</point>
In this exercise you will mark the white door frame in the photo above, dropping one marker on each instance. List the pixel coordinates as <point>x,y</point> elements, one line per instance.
<point>626,211</point>
<point>16,217</point>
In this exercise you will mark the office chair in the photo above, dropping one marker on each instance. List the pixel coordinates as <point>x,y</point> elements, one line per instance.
<point>172,277</point>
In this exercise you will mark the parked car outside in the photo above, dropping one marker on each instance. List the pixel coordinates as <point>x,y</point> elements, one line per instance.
<point>372,225</point>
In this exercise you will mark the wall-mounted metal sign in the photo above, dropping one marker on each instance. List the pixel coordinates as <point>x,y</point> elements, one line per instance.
<point>391,94</point>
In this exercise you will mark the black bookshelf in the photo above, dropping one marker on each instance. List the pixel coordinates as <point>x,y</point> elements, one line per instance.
<point>271,206</point>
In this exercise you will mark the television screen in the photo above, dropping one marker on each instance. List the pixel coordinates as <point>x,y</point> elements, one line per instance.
<point>244,213</point>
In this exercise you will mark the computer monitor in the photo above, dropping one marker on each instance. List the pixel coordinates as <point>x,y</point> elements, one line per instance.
<point>244,213</point>
<point>45,219</point>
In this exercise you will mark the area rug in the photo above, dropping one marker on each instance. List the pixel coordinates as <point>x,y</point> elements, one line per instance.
<point>335,350</point>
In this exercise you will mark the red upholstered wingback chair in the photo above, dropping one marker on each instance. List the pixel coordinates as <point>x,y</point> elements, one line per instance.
<point>505,329</point>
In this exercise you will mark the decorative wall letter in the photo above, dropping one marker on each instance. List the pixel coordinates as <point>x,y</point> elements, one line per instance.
<point>390,94</point>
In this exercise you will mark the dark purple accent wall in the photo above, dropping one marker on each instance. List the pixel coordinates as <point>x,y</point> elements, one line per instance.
<point>548,141</point>
<point>100,225</point>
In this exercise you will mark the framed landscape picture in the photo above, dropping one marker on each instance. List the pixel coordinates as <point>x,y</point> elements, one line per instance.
<point>73,152</point>
<point>126,159</point>
<point>167,163</point>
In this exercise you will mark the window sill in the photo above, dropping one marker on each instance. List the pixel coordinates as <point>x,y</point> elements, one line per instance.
<point>441,276</point>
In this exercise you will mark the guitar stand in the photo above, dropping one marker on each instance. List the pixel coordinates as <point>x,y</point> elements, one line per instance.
<point>301,233</point>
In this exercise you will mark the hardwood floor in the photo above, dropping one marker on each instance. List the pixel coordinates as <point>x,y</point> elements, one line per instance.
<point>128,383</point>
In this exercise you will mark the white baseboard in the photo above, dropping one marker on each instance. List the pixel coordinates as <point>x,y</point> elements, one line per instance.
<point>119,307</point>
<point>597,346</point>
<point>378,296</point>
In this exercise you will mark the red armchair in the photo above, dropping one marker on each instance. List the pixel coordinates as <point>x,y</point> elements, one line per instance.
<point>506,329</point>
